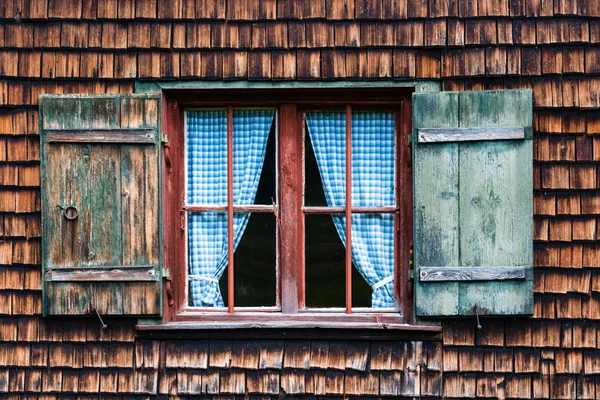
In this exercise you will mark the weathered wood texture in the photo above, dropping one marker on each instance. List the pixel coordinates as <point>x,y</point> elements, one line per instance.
<point>476,273</point>
<point>95,47</point>
<point>436,135</point>
<point>100,136</point>
<point>473,203</point>
<point>113,184</point>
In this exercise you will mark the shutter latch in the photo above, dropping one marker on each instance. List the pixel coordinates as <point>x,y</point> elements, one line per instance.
<point>166,274</point>
<point>165,141</point>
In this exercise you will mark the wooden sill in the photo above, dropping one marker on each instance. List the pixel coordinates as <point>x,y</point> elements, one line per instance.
<point>297,329</point>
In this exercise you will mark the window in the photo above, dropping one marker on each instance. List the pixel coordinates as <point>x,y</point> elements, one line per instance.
<point>289,165</point>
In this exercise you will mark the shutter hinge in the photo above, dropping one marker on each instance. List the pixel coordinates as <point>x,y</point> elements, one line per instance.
<point>164,138</point>
<point>166,273</point>
<point>411,263</point>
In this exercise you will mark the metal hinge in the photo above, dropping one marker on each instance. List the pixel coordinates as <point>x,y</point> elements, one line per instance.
<point>411,263</point>
<point>164,138</point>
<point>166,273</point>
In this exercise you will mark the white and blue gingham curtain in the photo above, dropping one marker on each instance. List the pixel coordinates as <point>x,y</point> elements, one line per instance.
<point>372,186</point>
<point>206,175</point>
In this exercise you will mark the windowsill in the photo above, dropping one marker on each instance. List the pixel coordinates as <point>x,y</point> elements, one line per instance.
<point>298,328</point>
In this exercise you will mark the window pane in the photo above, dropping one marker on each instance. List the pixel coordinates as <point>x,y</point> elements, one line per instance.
<point>206,156</point>
<point>327,134</point>
<point>313,188</point>
<point>250,133</point>
<point>267,186</point>
<point>326,266</point>
<point>255,264</point>
<point>373,256</point>
<point>207,257</point>
<point>255,259</point>
<point>373,159</point>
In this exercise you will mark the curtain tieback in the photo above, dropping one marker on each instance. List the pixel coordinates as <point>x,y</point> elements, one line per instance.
<point>203,278</point>
<point>382,282</point>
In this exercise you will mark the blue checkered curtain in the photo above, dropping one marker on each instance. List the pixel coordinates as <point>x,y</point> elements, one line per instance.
<point>206,175</point>
<point>372,186</point>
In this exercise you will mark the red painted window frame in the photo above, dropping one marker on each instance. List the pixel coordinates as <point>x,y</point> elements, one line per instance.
<point>290,105</point>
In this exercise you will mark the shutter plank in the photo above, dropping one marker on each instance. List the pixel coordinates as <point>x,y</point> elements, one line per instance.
<point>478,273</point>
<point>101,136</point>
<point>139,169</point>
<point>73,112</point>
<point>494,298</point>
<point>435,174</point>
<point>141,298</point>
<point>139,186</point>
<point>495,108</point>
<point>104,242</point>
<point>496,202</point>
<point>435,135</point>
<point>492,195</point>
<point>104,273</point>
<point>67,178</point>
<point>108,298</point>
<point>68,298</point>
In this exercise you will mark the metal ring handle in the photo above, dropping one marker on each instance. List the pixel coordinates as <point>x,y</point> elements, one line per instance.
<point>69,212</point>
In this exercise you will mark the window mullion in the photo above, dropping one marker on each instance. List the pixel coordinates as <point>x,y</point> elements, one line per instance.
<point>348,209</point>
<point>291,248</point>
<point>230,243</point>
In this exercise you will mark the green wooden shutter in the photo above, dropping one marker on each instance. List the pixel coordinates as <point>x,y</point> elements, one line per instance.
<point>473,203</point>
<point>101,246</point>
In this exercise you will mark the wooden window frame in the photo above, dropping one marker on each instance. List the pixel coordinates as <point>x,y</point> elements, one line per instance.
<point>291,105</point>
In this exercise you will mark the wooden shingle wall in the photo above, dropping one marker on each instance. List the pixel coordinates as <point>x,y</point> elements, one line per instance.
<point>103,46</point>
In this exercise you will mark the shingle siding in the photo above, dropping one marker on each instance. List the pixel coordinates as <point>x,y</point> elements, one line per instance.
<point>75,46</point>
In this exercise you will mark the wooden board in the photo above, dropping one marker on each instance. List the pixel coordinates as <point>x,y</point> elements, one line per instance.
<point>480,200</point>
<point>477,273</point>
<point>435,215</point>
<point>436,135</point>
<point>101,158</point>
<point>101,136</point>
<point>105,273</point>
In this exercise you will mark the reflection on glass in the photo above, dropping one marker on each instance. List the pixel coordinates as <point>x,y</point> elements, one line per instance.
<point>267,187</point>
<point>373,255</point>
<point>373,159</point>
<point>325,159</point>
<point>255,264</point>
<point>326,266</point>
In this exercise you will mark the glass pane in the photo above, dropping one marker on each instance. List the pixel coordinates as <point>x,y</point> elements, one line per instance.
<point>267,186</point>
<point>326,266</point>
<point>313,192</point>
<point>373,159</point>
<point>255,264</point>
<point>373,256</point>
<point>325,146</point>
<point>207,257</point>
<point>250,133</point>
<point>255,259</point>
<point>206,157</point>
<point>206,154</point>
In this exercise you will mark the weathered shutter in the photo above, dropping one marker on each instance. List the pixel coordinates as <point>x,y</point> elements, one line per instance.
<point>473,203</point>
<point>100,205</point>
